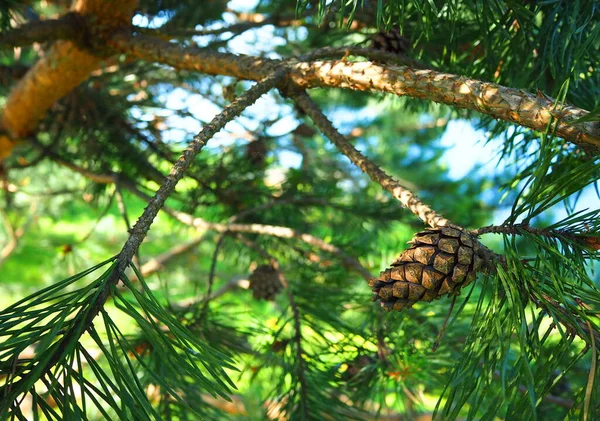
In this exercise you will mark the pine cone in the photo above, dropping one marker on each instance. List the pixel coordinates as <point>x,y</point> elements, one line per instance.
<point>440,261</point>
<point>256,152</point>
<point>265,283</point>
<point>390,41</point>
<point>229,92</point>
<point>355,366</point>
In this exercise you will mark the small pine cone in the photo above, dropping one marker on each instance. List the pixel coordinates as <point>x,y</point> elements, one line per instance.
<point>229,92</point>
<point>391,42</point>
<point>256,152</point>
<point>265,283</point>
<point>440,261</point>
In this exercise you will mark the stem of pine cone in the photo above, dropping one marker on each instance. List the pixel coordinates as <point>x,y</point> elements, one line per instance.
<point>401,193</point>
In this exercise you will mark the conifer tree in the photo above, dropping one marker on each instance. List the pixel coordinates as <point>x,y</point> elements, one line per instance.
<point>272,289</point>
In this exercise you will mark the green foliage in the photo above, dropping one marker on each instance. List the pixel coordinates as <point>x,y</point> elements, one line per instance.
<point>520,343</point>
<point>115,384</point>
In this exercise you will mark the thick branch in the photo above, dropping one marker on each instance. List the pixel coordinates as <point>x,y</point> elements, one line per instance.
<point>508,104</point>
<point>512,105</point>
<point>405,196</point>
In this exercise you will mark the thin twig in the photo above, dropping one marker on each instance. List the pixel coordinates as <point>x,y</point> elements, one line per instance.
<point>158,262</point>
<point>405,196</point>
<point>262,229</point>
<point>122,206</point>
<point>235,282</point>
<point>211,275</point>
<point>277,231</point>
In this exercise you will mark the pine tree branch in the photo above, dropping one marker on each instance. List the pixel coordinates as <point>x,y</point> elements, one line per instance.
<point>272,230</point>
<point>285,232</point>
<point>519,229</point>
<point>537,112</point>
<point>211,275</point>
<point>402,194</point>
<point>418,208</point>
<point>36,92</point>
<point>85,318</point>
<point>276,231</point>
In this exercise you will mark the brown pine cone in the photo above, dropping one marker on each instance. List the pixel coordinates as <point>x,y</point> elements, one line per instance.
<point>440,261</point>
<point>265,283</point>
<point>256,151</point>
<point>390,41</point>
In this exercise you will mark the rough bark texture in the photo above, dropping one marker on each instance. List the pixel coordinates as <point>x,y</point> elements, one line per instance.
<point>513,105</point>
<point>537,112</point>
<point>56,74</point>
